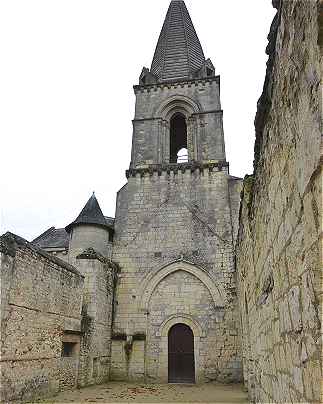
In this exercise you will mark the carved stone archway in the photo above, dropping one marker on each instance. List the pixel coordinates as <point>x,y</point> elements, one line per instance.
<point>153,279</point>
<point>198,333</point>
<point>183,318</point>
<point>160,336</point>
<point>177,104</point>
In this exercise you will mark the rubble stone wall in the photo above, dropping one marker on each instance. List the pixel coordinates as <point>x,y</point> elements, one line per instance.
<point>41,299</point>
<point>279,247</point>
<point>98,294</point>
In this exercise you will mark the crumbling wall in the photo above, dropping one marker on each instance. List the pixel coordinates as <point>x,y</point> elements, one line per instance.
<point>279,247</point>
<point>98,296</point>
<point>41,299</point>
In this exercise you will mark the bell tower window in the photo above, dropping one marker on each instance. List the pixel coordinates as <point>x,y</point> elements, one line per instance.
<point>178,139</point>
<point>182,156</point>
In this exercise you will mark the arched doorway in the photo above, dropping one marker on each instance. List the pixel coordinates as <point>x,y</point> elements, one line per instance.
<point>181,366</point>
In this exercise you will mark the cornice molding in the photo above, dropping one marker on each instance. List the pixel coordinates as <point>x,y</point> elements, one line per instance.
<point>175,168</point>
<point>174,84</point>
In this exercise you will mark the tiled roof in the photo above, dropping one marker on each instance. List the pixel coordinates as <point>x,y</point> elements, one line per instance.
<point>178,53</point>
<point>90,214</point>
<point>59,238</point>
<point>52,238</point>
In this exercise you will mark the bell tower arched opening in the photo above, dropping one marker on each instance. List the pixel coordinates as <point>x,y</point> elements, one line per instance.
<point>182,156</point>
<point>178,137</point>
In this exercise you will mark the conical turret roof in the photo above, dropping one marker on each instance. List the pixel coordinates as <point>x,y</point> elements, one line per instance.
<point>179,52</point>
<point>90,214</point>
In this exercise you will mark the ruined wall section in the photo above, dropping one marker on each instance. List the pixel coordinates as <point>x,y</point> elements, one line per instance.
<point>235,188</point>
<point>41,299</point>
<point>97,311</point>
<point>279,248</point>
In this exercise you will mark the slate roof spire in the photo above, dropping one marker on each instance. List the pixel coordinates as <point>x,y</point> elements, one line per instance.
<point>90,214</point>
<point>179,52</point>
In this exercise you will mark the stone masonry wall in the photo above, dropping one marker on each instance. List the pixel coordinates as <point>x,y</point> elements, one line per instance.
<point>216,351</point>
<point>279,247</point>
<point>235,188</point>
<point>198,100</point>
<point>41,299</point>
<point>175,224</point>
<point>88,236</point>
<point>99,284</point>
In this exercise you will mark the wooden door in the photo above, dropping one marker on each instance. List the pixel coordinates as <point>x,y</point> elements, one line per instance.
<point>181,367</point>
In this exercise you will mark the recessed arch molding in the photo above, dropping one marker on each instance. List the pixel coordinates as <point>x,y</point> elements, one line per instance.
<point>181,318</point>
<point>177,104</point>
<point>153,279</point>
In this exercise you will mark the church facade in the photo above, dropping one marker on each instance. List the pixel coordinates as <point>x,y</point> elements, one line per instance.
<point>176,221</point>
<point>159,282</point>
<point>163,292</point>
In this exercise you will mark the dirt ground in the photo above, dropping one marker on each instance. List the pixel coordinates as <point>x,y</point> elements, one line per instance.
<point>115,392</point>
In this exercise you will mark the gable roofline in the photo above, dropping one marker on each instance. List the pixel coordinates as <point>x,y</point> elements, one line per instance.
<point>52,238</point>
<point>44,234</point>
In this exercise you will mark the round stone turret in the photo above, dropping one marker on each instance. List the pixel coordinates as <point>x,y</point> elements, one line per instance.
<point>90,229</point>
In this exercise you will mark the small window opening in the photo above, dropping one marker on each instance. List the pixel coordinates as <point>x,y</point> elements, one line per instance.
<point>95,372</point>
<point>246,303</point>
<point>68,349</point>
<point>209,72</point>
<point>178,137</point>
<point>182,156</point>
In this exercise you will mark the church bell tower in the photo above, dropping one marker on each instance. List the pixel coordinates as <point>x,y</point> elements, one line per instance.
<point>175,315</point>
<point>178,105</point>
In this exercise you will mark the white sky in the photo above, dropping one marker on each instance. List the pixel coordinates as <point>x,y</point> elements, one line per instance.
<point>66,98</point>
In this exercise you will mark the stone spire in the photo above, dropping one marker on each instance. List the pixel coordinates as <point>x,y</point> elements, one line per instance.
<point>90,214</point>
<point>178,54</point>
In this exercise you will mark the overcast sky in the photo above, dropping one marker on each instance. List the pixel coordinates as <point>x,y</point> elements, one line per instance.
<point>66,97</point>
